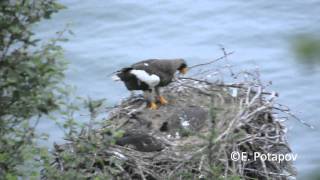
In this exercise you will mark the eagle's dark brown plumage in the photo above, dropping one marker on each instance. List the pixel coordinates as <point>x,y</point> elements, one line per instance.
<point>149,75</point>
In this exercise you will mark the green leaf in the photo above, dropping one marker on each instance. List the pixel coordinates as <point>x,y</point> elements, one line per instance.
<point>118,134</point>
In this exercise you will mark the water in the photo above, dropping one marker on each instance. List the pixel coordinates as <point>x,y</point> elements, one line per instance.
<point>113,34</point>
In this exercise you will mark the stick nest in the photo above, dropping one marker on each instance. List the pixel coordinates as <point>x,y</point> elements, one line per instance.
<point>193,136</point>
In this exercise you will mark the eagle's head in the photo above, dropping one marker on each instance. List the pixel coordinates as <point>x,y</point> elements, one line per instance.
<point>182,66</point>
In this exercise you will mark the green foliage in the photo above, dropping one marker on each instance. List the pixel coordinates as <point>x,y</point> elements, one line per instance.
<point>217,174</point>
<point>314,175</point>
<point>29,83</point>
<point>186,175</point>
<point>184,132</point>
<point>217,170</point>
<point>85,156</point>
<point>307,49</point>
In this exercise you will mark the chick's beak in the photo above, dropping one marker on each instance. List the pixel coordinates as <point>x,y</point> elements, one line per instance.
<point>183,70</point>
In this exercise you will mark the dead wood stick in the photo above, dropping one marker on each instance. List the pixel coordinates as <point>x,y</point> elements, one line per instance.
<point>213,61</point>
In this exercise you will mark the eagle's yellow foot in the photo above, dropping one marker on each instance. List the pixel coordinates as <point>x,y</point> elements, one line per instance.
<point>152,106</point>
<point>162,100</point>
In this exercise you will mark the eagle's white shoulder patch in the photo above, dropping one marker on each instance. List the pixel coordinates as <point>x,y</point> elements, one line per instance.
<point>152,80</point>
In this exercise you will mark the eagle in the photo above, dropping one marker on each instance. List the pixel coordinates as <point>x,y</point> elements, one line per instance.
<point>149,75</point>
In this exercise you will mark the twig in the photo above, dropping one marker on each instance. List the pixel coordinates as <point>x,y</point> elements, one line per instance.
<point>210,62</point>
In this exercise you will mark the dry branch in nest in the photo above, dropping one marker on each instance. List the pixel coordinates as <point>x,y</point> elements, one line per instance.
<point>194,135</point>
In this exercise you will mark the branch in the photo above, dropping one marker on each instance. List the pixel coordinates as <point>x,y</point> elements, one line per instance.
<point>213,61</point>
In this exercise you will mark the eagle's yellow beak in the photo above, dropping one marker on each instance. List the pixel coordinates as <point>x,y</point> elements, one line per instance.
<point>183,70</point>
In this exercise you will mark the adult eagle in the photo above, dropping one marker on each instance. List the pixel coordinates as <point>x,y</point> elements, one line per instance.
<point>150,75</point>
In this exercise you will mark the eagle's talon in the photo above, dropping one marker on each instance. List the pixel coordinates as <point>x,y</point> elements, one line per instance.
<point>162,100</point>
<point>153,106</point>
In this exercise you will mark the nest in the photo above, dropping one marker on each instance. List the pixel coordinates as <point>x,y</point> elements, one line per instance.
<point>193,137</point>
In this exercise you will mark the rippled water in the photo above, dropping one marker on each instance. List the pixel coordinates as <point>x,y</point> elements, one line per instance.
<point>113,34</point>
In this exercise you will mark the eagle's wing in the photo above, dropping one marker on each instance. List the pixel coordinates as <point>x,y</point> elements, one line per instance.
<point>161,68</point>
